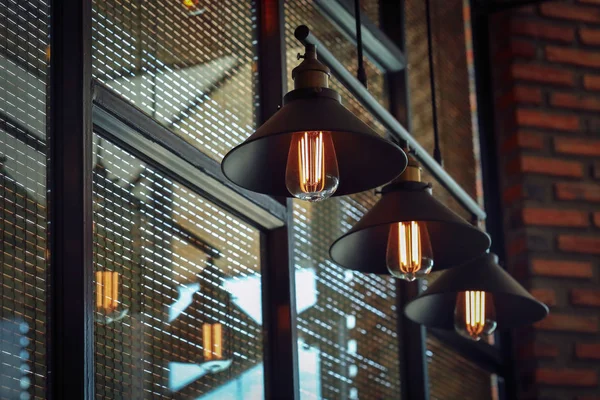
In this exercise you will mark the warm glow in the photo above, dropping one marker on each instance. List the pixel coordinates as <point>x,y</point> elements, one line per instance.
<point>207,341</point>
<point>311,163</point>
<point>107,291</point>
<point>312,170</point>
<point>190,3</point>
<point>212,337</point>
<point>475,312</point>
<point>409,250</point>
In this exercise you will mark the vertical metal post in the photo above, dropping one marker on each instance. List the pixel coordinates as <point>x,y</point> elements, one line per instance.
<point>411,336</point>
<point>279,321</point>
<point>480,22</point>
<point>278,274</point>
<point>272,69</point>
<point>71,358</point>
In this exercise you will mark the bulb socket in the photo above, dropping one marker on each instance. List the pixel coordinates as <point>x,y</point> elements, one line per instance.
<point>311,72</point>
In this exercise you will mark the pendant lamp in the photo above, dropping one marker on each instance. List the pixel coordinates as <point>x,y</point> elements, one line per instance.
<point>408,232</point>
<point>313,147</point>
<point>475,299</point>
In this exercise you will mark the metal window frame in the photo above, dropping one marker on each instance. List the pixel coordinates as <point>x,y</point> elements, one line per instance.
<point>71,327</point>
<point>70,226</point>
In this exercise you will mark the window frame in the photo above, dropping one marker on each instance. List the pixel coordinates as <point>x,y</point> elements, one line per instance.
<point>78,105</point>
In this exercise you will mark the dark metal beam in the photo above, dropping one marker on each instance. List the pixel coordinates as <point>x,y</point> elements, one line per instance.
<point>392,124</point>
<point>490,168</point>
<point>71,328</point>
<point>411,338</point>
<point>279,311</point>
<point>278,273</point>
<point>272,79</point>
<point>380,50</point>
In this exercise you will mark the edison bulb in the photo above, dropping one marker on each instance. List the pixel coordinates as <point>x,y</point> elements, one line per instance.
<point>475,314</point>
<point>312,169</point>
<point>409,254</point>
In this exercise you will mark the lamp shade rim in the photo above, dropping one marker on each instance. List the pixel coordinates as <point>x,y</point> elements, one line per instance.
<point>514,306</point>
<point>525,310</point>
<point>392,171</point>
<point>453,240</point>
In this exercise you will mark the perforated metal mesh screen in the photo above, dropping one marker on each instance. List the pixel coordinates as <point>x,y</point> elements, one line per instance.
<point>190,64</point>
<point>452,377</point>
<point>346,321</point>
<point>178,289</point>
<point>24,29</point>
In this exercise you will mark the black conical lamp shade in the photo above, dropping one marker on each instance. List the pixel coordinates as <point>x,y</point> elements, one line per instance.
<point>365,160</point>
<point>453,240</point>
<point>514,305</point>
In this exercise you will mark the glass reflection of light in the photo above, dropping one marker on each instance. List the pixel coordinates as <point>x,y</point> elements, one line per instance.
<point>246,292</point>
<point>249,385</point>
<point>186,294</point>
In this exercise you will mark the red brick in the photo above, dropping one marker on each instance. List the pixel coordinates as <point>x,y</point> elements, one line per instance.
<point>562,268</point>
<point>522,48</point>
<point>582,147</point>
<point>566,377</point>
<point>523,140</point>
<point>577,191</point>
<point>591,82</point>
<point>596,170</point>
<point>590,36</point>
<point>542,30</point>
<point>552,217</point>
<point>587,398</point>
<point>582,58</point>
<point>568,323</point>
<point>575,102</point>
<point>585,297</point>
<point>597,219</point>
<point>547,296</point>
<point>527,94</point>
<point>513,193</point>
<point>589,351</point>
<point>540,74</point>
<point>579,244</point>
<point>538,349</point>
<point>516,246</point>
<point>541,119</point>
<point>570,12</point>
<point>546,166</point>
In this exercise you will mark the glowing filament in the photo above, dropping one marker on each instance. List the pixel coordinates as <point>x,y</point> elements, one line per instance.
<point>311,162</point>
<point>212,337</point>
<point>475,312</point>
<point>107,291</point>
<point>409,244</point>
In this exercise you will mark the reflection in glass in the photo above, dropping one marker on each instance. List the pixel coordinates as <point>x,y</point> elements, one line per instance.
<point>187,272</point>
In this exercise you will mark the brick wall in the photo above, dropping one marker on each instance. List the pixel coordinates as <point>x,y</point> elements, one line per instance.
<point>546,66</point>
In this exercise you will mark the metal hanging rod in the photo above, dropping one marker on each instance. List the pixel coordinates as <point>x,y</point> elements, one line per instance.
<point>384,117</point>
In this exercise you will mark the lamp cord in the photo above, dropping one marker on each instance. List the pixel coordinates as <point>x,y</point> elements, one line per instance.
<point>437,153</point>
<point>361,75</point>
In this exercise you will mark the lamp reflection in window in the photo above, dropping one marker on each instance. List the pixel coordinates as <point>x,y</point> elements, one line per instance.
<point>212,336</point>
<point>107,291</point>
<point>107,297</point>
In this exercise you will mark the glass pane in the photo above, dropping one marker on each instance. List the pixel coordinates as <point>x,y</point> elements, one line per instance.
<point>24,30</point>
<point>190,64</point>
<point>452,377</point>
<point>178,289</point>
<point>346,320</point>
